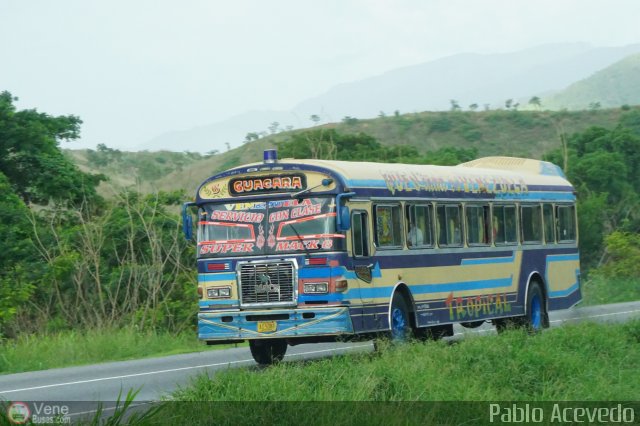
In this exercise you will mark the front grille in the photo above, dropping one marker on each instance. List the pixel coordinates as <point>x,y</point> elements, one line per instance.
<point>267,283</point>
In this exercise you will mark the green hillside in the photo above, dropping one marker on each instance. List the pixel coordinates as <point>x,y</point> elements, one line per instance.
<point>501,132</point>
<point>616,85</point>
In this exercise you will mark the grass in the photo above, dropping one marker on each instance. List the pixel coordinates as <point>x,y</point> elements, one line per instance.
<point>579,362</point>
<point>41,352</point>
<point>598,290</point>
<point>586,362</point>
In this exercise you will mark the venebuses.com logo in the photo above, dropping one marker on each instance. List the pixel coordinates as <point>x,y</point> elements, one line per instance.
<point>18,413</point>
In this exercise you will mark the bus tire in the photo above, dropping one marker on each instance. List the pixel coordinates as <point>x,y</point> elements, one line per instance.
<point>536,317</point>
<point>399,322</point>
<point>268,351</point>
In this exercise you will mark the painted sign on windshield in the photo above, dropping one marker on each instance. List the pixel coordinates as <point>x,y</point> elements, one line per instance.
<point>268,227</point>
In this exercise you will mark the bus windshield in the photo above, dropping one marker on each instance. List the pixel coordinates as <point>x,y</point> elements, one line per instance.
<point>268,227</point>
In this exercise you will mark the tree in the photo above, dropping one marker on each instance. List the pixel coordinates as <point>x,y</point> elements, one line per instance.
<point>251,136</point>
<point>473,107</point>
<point>535,101</point>
<point>273,127</point>
<point>349,120</point>
<point>18,254</point>
<point>32,162</point>
<point>450,156</point>
<point>315,118</point>
<point>508,103</point>
<point>455,106</point>
<point>604,166</point>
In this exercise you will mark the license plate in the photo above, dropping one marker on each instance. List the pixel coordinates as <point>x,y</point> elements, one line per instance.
<point>266,326</point>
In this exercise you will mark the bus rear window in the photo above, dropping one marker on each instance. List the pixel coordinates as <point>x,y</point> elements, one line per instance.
<point>566,224</point>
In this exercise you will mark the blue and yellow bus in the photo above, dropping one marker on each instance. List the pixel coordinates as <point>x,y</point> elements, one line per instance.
<point>304,251</point>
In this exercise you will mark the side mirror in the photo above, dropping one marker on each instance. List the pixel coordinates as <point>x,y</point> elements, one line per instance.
<point>187,221</point>
<point>344,224</point>
<point>343,219</point>
<point>188,227</point>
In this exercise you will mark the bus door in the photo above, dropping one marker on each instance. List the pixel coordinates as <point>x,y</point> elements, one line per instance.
<point>363,268</point>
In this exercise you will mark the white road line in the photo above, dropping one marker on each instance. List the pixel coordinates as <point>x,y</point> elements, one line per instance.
<point>166,371</point>
<point>597,316</point>
<point>126,376</point>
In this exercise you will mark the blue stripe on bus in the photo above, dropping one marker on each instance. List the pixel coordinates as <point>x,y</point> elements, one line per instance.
<point>566,292</point>
<point>381,183</point>
<point>227,302</point>
<point>562,257</point>
<point>319,272</point>
<point>488,260</point>
<point>216,277</point>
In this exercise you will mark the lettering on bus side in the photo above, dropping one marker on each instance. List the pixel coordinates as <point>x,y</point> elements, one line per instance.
<point>473,307</point>
<point>489,184</point>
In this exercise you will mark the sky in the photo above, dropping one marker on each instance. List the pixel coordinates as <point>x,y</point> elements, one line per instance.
<point>133,70</point>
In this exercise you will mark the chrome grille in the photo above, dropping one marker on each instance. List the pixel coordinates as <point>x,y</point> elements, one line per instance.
<point>267,283</point>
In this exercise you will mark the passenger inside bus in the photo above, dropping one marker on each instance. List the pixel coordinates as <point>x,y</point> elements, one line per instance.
<point>415,236</point>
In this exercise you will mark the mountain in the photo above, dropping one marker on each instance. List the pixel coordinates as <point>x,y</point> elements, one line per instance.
<point>498,132</point>
<point>466,78</point>
<point>618,84</point>
<point>215,136</point>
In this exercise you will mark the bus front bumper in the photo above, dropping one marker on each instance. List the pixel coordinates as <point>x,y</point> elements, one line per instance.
<point>277,323</point>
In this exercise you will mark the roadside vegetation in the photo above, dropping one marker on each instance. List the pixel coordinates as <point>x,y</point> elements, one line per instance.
<point>79,263</point>
<point>30,352</point>
<point>571,363</point>
<point>510,366</point>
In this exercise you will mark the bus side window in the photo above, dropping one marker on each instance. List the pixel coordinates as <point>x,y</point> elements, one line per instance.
<point>419,226</point>
<point>566,217</point>
<point>505,225</point>
<point>531,222</point>
<point>359,234</point>
<point>549,222</point>
<point>477,225</point>
<point>388,226</point>
<point>449,225</point>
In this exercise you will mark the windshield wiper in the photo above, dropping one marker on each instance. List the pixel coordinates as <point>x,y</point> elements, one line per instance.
<point>304,246</point>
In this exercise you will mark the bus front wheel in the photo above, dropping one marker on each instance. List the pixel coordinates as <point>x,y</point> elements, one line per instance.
<point>268,351</point>
<point>400,326</point>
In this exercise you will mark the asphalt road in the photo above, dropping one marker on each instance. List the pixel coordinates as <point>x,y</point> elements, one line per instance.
<point>157,377</point>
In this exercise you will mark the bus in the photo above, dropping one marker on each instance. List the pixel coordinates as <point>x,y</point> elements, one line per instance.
<point>305,251</point>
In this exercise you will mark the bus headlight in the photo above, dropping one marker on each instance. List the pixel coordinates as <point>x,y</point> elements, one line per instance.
<point>219,292</point>
<point>316,288</point>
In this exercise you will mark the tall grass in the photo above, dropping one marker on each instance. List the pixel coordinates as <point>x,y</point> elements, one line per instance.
<point>598,290</point>
<point>581,362</point>
<point>43,351</point>
<point>423,383</point>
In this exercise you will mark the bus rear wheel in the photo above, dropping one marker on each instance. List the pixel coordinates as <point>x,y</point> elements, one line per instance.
<point>536,317</point>
<point>268,351</point>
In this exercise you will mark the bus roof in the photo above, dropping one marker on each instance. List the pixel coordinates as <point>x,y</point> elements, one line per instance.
<point>488,177</point>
